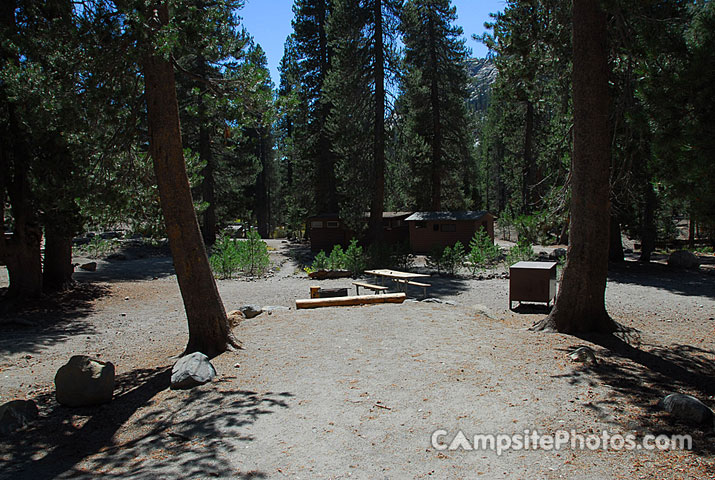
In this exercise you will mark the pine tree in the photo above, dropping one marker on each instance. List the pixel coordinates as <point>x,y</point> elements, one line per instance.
<point>434,90</point>
<point>313,60</point>
<point>362,36</point>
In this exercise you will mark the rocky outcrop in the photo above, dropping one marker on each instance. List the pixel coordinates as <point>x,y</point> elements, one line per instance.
<point>84,381</point>
<point>192,370</point>
<point>683,259</point>
<point>16,414</point>
<point>688,409</point>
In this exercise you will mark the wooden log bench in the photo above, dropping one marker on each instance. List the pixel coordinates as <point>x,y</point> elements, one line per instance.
<point>404,283</point>
<point>348,301</point>
<point>369,286</point>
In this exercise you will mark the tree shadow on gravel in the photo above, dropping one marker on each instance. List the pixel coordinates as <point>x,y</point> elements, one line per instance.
<point>150,268</point>
<point>642,374</point>
<point>696,283</point>
<point>299,253</point>
<point>146,432</point>
<point>30,325</point>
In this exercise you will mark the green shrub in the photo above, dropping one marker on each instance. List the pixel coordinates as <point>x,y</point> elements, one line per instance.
<point>354,258</point>
<point>521,252</point>
<point>434,259</point>
<point>320,262</point>
<point>336,260</point>
<point>229,256</point>
<point>224,258</point>
<point>453,258</point>
<point>99,247</point>
<point>253,254</point>
<point>506,224</point>
<point>401,257</point>
<point>482,251</point>
<point>448,260</point>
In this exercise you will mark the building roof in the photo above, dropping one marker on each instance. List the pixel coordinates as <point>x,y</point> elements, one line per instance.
<point>335,216</point>
<point>453,216</point>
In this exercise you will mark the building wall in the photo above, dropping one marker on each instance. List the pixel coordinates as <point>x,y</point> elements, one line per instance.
<point>445,233</point>
<point>332,232</point>
<point>325,232</point>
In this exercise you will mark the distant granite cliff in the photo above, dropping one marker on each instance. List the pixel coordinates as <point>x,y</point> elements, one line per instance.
<point>483,74</point>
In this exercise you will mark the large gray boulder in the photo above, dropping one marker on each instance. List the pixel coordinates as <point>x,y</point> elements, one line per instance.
<point>84,381</point>
<point>250,311</point>
<point>16,414</point>
<point>687,408</point>
<point>192,370</point>
<point>683,259</point>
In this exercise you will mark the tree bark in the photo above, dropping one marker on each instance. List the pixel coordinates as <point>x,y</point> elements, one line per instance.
<point>208,228</point>
<point>529,167</point>
<point>58,268</point>
<point>615,247</point>
<point>649,233</point>
<point>20,251</point>
<point>580,304</point>
<point>262,206</point>
<point>209,329</point>
<point>377,203</point>
<point>436,203</point>
<point>326,183</point>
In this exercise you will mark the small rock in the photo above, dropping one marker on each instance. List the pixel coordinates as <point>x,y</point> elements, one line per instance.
<point>584,355</point>
<point>484,310</point>
<point>250,311</point>
<point>192,370</point>
<point>126,298</point>
<point>90,267</point>
<point>234,318</point>
<point>123,314</point>
<point>687,408</point>
<point>16,414</point>
<point>84,381</point>
<point>275,308</point>
<point>683,259</point>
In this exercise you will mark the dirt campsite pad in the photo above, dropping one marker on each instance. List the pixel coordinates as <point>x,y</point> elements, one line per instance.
<point>376,391</point>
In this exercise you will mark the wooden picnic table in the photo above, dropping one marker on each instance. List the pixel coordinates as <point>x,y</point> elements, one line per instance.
<point>401,278</point>
<point>395,274</point>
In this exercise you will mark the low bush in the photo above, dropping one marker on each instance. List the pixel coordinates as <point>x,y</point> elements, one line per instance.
<point>521,252</point>
<point>482,251</point>
<point>249,256</point>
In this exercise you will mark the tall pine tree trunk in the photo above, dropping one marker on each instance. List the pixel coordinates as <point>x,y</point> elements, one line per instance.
<point>57,268</point>
<point>262,205</point>
<point>529,166</point>
<point>648,233</point>
<point>436,203</point>
<point>20,251</point>
<point>377,203</point>
<point>580,305</point>
<point>326,183</point>
<point>209,330</point>
<point>208,228</point>
<point>615,248</point>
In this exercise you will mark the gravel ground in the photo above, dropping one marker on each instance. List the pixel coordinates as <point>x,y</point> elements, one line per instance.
<point>358,391</point>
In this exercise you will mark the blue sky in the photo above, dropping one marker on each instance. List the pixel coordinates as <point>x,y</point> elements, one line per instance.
<point>268,21</point>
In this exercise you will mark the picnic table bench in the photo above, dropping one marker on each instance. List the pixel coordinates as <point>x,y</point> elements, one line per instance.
<point>369,286</point>
<point>405,282</point>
